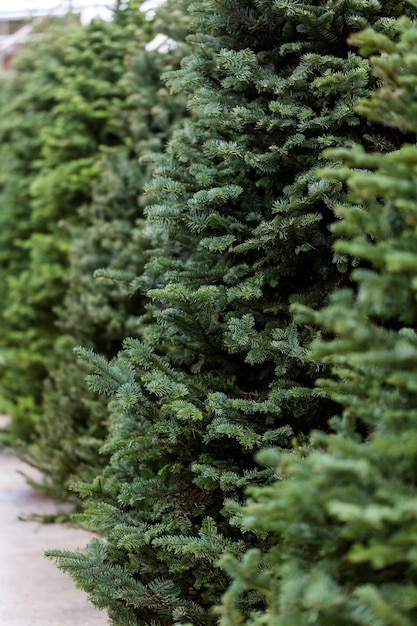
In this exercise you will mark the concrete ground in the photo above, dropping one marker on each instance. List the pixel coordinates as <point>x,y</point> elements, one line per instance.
<point>33,592</point>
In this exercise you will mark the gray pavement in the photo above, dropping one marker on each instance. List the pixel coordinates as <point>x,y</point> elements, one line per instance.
<point>33,592</point>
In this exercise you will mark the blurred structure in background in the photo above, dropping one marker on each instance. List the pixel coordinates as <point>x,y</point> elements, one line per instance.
<point>21,20</point>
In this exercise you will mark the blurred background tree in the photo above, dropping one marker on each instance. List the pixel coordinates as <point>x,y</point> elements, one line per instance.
<point>65,112</point>
<point>104,295</point>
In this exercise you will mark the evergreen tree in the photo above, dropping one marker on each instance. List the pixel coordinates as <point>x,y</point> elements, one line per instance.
<point>26,98</point>
<point>343,521</point>
<point>107,252</point>
<point>70,79</point>
<point>221,369</point>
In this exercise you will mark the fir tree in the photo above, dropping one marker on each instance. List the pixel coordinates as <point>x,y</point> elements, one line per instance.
<point>222,369</point>
<point>27,97</point>
<point>343,521</point>
<point>103,300</point>
<point>70,78</point>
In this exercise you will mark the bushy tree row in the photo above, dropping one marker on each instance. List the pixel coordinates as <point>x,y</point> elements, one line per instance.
<point>58,111</point>
<point>72,203</point>
<point>108,250</point>
<point>217,278</point>
<point>220,367</point>
<point>27,97</point>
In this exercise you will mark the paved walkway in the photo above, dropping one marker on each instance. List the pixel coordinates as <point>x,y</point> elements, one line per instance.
<point>33,592</point>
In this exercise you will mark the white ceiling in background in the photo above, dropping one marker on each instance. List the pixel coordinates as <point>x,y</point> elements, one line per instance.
<point>88,8</point>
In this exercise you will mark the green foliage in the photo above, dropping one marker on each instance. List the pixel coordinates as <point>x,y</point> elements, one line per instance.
<point>220,369</point>
<point>343,522</point>
<point>59,111</point>
<point>26,97</point>
<point>108,248</point>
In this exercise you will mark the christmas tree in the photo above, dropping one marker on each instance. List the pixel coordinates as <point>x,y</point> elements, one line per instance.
<point>59,110</point>
<point>240,227</point>
<point>343,520</point>
<point>27,97</point>
<point>103,300</point>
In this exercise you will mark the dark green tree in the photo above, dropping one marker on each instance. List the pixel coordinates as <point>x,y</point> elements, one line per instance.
<point>104,299</point>
<point>343,521</point>
<point>221,368</point>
